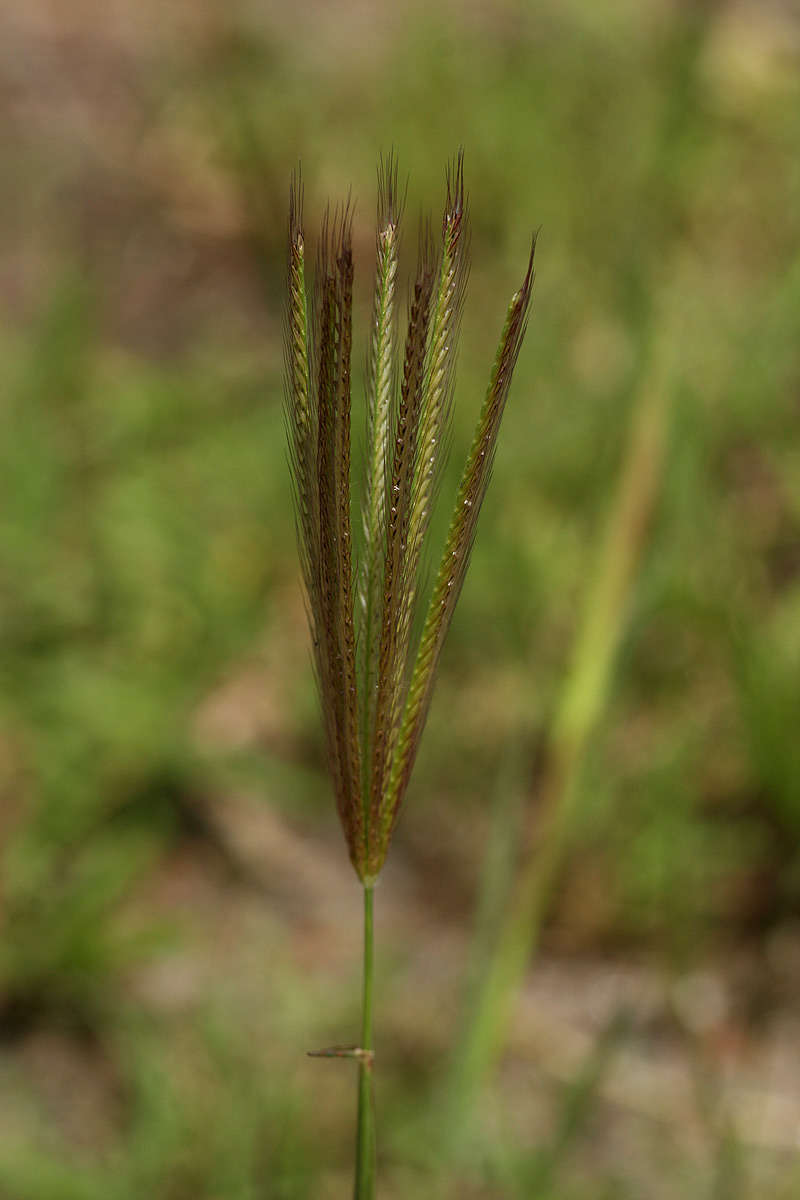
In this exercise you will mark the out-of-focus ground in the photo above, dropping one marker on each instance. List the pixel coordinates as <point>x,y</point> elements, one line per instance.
<point>178,919</point>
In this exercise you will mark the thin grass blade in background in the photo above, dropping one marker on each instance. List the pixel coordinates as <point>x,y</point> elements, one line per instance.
<point>582,700</point>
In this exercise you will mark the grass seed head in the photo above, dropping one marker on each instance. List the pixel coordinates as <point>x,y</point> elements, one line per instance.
<point>375,687</point>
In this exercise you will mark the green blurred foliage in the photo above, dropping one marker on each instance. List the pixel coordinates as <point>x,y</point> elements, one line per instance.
<point>146,541</point>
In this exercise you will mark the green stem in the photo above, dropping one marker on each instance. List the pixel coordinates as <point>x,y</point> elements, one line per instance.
<point>581,705</point>
<point>365,1139</point>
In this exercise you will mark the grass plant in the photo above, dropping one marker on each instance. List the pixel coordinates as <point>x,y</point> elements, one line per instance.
<point>375,685</point>
<point>151,667</point>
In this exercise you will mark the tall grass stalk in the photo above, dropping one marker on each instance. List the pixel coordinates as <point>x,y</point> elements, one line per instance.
<point>605,613</point>
<point>581,703</point>
<point>375,685</point>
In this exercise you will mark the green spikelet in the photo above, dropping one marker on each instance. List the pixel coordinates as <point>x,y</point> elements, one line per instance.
<point>455,559</point>
<point>380,396</point>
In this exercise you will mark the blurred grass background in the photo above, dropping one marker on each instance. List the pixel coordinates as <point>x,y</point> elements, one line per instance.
<point>620,696</point>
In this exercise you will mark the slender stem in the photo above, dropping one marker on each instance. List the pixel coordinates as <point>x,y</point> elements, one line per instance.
<point>365,1139</point>
<point>580,706</point>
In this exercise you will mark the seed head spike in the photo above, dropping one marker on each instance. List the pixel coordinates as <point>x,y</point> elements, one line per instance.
<point>374,697</point>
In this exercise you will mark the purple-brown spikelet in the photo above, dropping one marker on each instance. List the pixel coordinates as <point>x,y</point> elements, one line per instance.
<point>301,412</point>
<point>374,688</point>
<point>346,628</point>
<point>329,544</point>
<point>398,585</point>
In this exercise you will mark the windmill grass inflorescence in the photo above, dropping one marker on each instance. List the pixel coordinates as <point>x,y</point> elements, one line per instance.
<point>375,686</point>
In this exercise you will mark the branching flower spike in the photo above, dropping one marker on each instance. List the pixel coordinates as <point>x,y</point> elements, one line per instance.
<point>375,701</point>
<point>375,685</point>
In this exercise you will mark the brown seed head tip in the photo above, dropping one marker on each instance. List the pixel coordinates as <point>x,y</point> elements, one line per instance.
<point>390,200</point>
<point>342,235</point>
<point>530,274</point>
<point>336,237</point>
<point>455,184</point>
<point>323,245</point>
<point>296,208</point>
<point>455,206</point>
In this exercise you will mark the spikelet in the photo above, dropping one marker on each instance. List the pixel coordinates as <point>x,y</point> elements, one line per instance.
<point>300,407</point>
<point>399,584</point>
<point>455,559</point>
<point>380,395</point>
<point>440,361</point>
<point>318,405</point>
